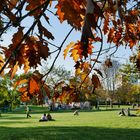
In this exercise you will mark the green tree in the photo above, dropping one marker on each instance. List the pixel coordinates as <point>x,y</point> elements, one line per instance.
<point>8,93</point>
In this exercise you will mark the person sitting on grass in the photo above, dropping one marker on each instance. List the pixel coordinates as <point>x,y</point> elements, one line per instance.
<point>76,112</point>
<point>122,112</point>
<point>49,117</point>
<point>43,118</point>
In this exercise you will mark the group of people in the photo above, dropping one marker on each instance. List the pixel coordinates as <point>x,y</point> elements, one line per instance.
<point>44,117</point>
<point>125,112</point>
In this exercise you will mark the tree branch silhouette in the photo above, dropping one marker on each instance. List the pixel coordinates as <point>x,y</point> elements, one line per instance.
<point>24,37</point>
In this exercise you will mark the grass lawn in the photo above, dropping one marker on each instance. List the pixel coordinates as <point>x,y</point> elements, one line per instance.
<point>100,125</point>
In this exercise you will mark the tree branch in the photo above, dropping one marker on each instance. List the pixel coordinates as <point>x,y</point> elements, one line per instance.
<point>24,37</point>
<point>60,48</point>
<point>96,57</point>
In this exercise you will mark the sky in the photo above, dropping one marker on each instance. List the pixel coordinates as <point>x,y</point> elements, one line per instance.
<point>60,30</point>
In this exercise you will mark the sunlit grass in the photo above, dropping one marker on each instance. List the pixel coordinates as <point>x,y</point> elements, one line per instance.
<point>98,125</point>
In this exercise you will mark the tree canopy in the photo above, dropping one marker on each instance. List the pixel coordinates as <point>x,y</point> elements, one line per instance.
<point>115,21</point>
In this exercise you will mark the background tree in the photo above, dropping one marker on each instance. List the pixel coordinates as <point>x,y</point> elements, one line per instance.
<point>9,96</point>
<point>110,81</point>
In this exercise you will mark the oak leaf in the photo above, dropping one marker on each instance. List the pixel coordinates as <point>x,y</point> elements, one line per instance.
<point>66,50</point>
<point>96,81</point>
<point>33,86</point>
<point>72,11</point>
<point>1,63</point>
<point>12,4</point>
<point>14,70</point>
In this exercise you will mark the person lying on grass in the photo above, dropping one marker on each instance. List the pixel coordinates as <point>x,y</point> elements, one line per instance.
<point>126,112</point>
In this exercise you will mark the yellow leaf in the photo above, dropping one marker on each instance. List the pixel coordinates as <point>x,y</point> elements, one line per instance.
<point>67,49</point>
<point>74,54</point>
<point>26,65</point>
<point>78,71</point>
<point>83,76</point>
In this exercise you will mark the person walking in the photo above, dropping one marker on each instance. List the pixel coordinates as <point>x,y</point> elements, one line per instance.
<point>28,111</point>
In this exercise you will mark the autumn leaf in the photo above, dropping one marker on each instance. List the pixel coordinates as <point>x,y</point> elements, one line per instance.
<point>66,50</point>
<point>34,4</point>
<point>17,37</point>
<point>12,4</point>
<point>14,70</point>
<point>33,86</point>
<point>44,31</point>
<point>20,82</point>
<point>76,51</point>
<point>23,89</point>
<point>25,97</point>
<point>95,81</point>
<point>106,23</point>
<point>1,63</point>
<point>74,54</point>
<point>44,51</point>
<point>72,11</point>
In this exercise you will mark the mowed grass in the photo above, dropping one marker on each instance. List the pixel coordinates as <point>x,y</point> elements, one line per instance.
<point>100,125</point>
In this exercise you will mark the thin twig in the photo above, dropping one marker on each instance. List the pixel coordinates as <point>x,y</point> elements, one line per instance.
<point>60,48</point>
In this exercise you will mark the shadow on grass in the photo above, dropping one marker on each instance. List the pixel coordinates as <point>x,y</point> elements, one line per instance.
<point>13,122</point>
<point>68,133</point>
<point>13,118</point>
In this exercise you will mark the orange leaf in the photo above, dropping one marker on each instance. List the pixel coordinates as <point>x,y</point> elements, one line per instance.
<point>20,82</point>
<point>1,63</point>
<point>14,70</point>
<point>33,86</point>
<point>22,89</point>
